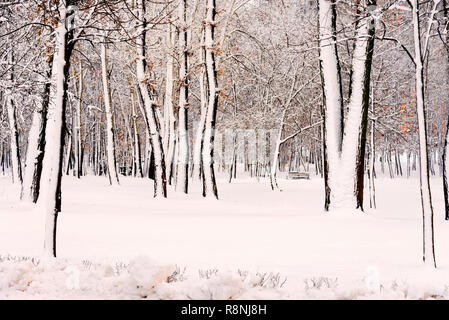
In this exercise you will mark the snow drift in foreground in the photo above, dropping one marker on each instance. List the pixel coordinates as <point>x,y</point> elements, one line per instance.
<point>143,278</point>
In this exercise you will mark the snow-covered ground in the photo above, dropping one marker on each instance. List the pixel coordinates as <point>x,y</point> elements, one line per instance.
<point>119,242</point>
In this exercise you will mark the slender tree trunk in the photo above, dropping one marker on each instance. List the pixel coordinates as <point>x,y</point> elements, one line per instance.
<point>198,147</point>
<point>69,144</point>
<point>372,158</point>
<point>446,146</point>
<point>110,132</point>
<point>426,197</point>
<point>209,183</point>
<point>78,131</point>
<point>182,179</point>
<point>445,171</point>
<point>13,129</point>
<point>232,168</point>
<point>274,165</point>
<point>169,117</point>
<point>360,170</point>
<point>138,159</point>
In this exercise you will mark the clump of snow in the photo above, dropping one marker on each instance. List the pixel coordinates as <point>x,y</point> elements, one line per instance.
<point>224,286</point>
<point>146,274</point>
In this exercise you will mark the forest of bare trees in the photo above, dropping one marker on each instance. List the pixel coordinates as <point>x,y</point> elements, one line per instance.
<point>179,91</point>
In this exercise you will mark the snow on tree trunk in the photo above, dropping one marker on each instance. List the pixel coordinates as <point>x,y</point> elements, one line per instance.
<point>138,159</point>
<point>209,183</point>
<point>39,155</point>
<point>69,147</point>
<point>332,92</point>
<point>354,139</point>
<point>169,118</point>
<point>16,172</point>
<point>52,164</point>
<point>372,158</point>
<point>182,171</point>
<point>274,165</point>
<point>110,146</point>
<point>426,197</point>
<point>32,156</point>
<point>344,155</point>
<point>78,129</point>
<point>36,147</point>
<point>197,149</point>
<point>160,182</point>
<point>232,168</point>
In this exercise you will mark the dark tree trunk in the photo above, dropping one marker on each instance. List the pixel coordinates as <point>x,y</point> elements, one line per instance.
<point>445,184</point>
<point>445,169</point>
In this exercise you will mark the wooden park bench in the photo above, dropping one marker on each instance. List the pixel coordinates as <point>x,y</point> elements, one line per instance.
<point>298,175</point>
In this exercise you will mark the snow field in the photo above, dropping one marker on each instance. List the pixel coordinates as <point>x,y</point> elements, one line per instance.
<point>222,249</point>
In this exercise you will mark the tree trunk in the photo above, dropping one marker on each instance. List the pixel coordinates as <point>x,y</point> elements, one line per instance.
<point>78,131</point>
<point>36,146</point>
<point>137,157</point>
<point>182,178</point>
<point>52,164</point>
<point>209,183</point>
<point>13,130</point>
<point>169,117</point>
<point>274,165</point>
<point>160,182</point>
<point>372,158</point>
<point>351,177</point>
<point>198,147</point>
<point>233,167</point>
<point>110,134</point>
<point>445,171</point>
<point>332,93</point>
<point>446,146</point>
<point>426,197</point>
